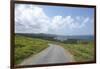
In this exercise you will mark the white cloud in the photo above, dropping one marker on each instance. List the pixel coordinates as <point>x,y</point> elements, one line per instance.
<point>33,19</point>
<point>30,18</point>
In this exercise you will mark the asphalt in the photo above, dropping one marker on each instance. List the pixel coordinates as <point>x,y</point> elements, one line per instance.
<point>51,55</point>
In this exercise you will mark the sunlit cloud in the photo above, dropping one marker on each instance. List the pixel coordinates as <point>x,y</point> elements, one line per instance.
<point>33,19</point>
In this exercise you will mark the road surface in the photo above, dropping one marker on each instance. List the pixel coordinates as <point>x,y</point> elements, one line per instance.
<point>53,54</point>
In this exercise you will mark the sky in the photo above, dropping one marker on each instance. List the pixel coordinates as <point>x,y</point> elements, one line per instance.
<point>30,18</point>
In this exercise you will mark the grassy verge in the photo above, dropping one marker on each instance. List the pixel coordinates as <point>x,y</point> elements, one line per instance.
<point>25,46</point>
<point>81,52</point>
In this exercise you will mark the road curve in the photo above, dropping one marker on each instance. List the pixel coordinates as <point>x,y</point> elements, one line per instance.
<point>53,54</point>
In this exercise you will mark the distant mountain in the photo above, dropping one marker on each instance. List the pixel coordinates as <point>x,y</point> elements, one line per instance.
<point>58,37</point>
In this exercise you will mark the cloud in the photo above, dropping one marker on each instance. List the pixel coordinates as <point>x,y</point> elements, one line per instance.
<point>79,22</point>
<point>29,18</point>
<point>33,19</point>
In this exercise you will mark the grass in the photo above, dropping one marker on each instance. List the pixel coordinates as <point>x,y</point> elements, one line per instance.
<point>81,52</point>
<point>25,46</point>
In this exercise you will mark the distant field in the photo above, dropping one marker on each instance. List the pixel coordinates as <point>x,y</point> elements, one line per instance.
<point>26,46</point>
<point>81,52</point>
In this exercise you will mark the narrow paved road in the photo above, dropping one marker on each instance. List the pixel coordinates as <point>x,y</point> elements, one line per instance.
<point>53,54</point>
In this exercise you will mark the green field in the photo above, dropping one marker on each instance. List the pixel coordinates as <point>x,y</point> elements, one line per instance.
<point>81,52</point>
<point>25,46</point>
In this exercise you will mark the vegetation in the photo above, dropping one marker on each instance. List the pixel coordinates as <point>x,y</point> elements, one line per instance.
<point>81,51</point>
<point>26,46</point>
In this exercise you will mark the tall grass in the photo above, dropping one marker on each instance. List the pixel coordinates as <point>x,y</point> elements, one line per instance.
<point>81,52</point>
<point>25,46</point>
